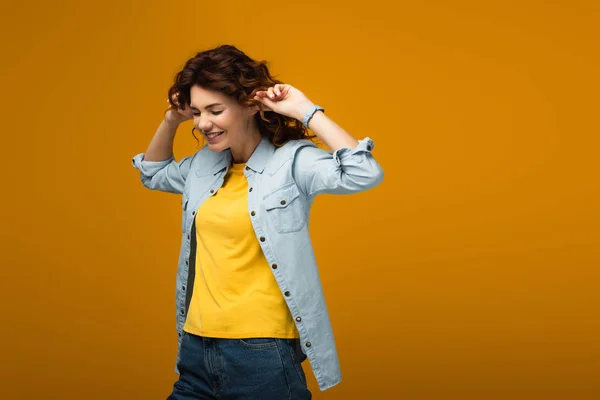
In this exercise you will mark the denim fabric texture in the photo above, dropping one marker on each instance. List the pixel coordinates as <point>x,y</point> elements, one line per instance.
<point>240,369</point>
<point>283,183</point>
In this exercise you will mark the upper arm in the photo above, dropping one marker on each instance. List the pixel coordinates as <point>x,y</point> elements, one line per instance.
<point>167,175</point>
<point>344,171</point>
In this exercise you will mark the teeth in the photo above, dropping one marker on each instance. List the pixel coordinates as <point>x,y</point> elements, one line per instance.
<point>214,135</point>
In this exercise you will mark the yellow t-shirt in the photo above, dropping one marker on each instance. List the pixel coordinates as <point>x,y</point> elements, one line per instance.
<point>235,294</point>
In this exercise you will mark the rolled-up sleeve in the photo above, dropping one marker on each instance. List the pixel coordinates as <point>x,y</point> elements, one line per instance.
<point>344,171</point>
<point>166,175</point>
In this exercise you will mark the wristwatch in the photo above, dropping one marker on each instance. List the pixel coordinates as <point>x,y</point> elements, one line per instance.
<point>309,114</point>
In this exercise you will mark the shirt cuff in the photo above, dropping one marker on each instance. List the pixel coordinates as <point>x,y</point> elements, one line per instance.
<point>365,145</point>
<point>149,168</point>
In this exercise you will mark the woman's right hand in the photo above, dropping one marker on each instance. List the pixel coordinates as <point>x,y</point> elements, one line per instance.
<point>175,115</point>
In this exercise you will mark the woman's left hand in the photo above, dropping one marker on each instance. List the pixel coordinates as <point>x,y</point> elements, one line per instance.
<point>285,99</point>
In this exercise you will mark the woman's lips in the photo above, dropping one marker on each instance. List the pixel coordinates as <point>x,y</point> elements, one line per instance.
<point>211,137</point>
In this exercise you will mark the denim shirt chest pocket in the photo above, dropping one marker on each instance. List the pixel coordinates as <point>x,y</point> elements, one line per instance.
<point>285,209</point>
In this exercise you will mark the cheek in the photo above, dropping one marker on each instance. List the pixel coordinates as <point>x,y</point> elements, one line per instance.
<point>228,122</point>
<point>223,120</point>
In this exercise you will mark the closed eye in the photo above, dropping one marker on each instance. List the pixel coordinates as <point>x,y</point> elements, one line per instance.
<point>197,114</point>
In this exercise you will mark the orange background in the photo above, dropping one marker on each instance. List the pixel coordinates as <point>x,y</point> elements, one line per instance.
<point>470,273</point>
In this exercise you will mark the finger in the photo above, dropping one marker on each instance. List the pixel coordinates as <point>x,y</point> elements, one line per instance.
<point>278,87</point>
<point>265,101</point>
<point>271,93</point>
<point>278,93</point>
<point>262,98</point>
<point>285,90</point>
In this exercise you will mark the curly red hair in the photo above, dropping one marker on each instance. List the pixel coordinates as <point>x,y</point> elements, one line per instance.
<point>230,71</point>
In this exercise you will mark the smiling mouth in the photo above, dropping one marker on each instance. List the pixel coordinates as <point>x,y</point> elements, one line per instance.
<point>213,135</point>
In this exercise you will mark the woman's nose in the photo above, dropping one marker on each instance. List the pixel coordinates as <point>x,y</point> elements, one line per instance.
<point>204,124</point>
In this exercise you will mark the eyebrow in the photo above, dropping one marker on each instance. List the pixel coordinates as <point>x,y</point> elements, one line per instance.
<point>207,107</point>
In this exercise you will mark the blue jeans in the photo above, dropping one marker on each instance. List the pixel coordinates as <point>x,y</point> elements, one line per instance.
<point>240,369</point>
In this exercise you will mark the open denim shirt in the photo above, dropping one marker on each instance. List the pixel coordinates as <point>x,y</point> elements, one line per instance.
<point>282,183</point>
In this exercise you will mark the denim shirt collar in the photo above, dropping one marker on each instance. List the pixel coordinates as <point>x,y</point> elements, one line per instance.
<point>263,152</point>
<point>257,161</point>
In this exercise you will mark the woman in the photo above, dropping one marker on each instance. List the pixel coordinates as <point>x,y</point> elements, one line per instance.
<point>250,306</point>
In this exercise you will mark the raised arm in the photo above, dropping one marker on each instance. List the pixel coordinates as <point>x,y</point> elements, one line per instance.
<point>348,168</point>
<point>344,171</point>
<point>157,166</point>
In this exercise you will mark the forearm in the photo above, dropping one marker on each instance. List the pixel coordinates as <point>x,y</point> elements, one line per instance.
<point>330,133</point>
<point>161,145</point>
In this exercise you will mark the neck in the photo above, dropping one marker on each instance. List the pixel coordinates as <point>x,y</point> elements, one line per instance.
<point>242,152</point>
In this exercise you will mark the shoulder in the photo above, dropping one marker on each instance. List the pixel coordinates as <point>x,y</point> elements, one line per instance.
<point>282,155</point>
<point>290,149</point>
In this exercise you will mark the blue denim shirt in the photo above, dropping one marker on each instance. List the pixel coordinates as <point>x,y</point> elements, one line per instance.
<point>282,184</point>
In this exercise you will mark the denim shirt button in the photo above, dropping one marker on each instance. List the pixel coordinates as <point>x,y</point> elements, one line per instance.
<point>298,319</point>
<point>308,344</point>
<point>212,190</point>
<point>182,312</point>
<point>262,238</point>
<point>282,202</point>
<point>250,189</point>
<point>369,147</point>
<point>253,213</point>
<point>287,293</point>
<point>274,266</point>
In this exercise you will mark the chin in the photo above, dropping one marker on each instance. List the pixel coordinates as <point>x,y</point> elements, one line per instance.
<point>217,147</point>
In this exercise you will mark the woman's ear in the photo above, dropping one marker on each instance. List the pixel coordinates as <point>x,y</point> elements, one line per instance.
<point>253,109</point>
